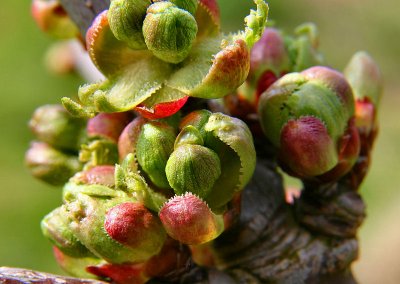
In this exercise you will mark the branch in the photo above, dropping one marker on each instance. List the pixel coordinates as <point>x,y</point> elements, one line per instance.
<point>83,12</point>
<point>18,275</point>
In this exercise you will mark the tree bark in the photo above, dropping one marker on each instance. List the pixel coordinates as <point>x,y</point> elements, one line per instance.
<point>9,275</point>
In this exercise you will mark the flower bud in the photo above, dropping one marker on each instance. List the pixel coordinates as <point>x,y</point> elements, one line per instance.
<point>187,5</point>
<point>126,20</point>
<point>120,273</point>
<point>193,168</point>
<point>128,138</point>
<point>51,165</point>
<point>99,217</point>
<point>103,175</point>
<point>51,17</point>
<point>269,54</point>
<point>54,125</point>
<point>172,259</point>
<point>303,48</point>
<point>60,58</point>
<point>154,146</point>
<point>365,79</point>
<point>133,225</point>
<point>169,31</point>
<point>99,152</point>
<point>269,60</point>
<point>108,125</point>
<point>188,219</point>
<point>55,227</point>
<point>212,68</point>
<point>306,146</point>
<point>306,115</point>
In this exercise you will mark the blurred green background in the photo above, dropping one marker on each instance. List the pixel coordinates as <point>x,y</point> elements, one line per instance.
<point>345,27</point>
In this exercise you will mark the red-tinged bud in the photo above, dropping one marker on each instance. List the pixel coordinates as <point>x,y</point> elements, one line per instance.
<point>108,125</point>
<point>365,78</point>
<point>365,117</point>
<point>266,80</point>
<point>128,138</point>
<point>103,175</point>
<point>54,125</point>
<point>335,81</point>
<point>51,18</point>
<point>51,165</point>
<point>269,54</point>
<point>172,260</point>
<point>120,273</point>
<point>55,228</point>
<point>306,147</point>
<point>133,225</point>
<point>307,117</point>
<point>162,110</point>
<point>349,150</point>
<point>189,220</point>
<point>60,58</point>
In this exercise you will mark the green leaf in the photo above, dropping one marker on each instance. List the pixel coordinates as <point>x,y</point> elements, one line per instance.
<point>235,133</point>
<point>256,23</point>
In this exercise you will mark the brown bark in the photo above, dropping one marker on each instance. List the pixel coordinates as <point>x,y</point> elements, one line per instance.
<point>10,275</point>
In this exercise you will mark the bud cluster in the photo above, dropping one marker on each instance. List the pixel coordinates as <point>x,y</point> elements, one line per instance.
<point>67,144</point>
<point>140,186</point>
<point>321,122</point>
<point>123,215</point>
<point>156,54</point>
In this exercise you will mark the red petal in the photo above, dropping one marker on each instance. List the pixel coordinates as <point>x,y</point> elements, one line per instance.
<point>162,109</point>
<point>120,273</point>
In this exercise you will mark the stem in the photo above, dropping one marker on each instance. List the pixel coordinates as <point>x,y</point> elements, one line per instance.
<point>83,12</point>
<point>17,275</point>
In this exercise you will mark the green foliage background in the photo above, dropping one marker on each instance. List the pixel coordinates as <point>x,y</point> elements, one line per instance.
<point>345,27</point>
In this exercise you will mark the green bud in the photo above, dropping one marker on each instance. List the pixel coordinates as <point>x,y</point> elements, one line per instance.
<point>54,125</point>
<point>303,48</point>
<point>188,5</point>
<point>196,119</point>
<point>55,228</point>
<point>169,31</point>
<point>193,168</point>
<point>51,165</point>
<point>154,146</point>
<point>99,152</point>
<point>126,20</point>
<point>189,135</point>
<point>91,207</point>
<point>365,78</point>
<point>307,117</point>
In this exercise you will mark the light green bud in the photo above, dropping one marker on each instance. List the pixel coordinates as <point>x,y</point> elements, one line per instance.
<point>169,31</point>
